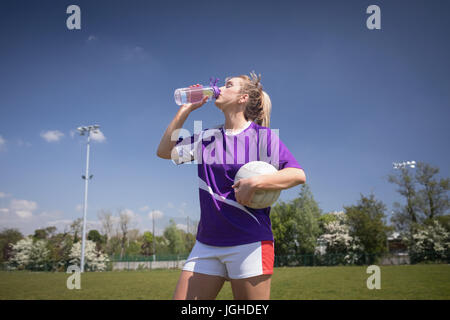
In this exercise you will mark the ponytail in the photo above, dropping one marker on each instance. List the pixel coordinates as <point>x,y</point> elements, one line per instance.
<point>259,106</point>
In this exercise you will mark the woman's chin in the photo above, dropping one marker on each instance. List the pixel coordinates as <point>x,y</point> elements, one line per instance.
<point>218,105</point>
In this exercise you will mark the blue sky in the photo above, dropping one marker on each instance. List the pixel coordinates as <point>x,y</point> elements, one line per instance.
<point>348,101</point>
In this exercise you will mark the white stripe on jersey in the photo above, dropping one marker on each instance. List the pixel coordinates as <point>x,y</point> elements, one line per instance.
<point>202,185</point>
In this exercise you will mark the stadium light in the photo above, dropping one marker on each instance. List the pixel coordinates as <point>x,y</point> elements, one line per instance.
<point>400,165</point>
<point>83,131</point>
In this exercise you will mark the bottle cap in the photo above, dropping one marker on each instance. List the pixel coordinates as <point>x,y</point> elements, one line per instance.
<point>215,87</point>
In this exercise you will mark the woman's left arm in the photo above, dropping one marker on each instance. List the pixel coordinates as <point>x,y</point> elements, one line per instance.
<point>283,179</point>
<point>286,178</point>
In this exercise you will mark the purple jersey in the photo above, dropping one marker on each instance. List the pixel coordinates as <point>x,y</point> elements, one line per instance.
<point>219,155</point>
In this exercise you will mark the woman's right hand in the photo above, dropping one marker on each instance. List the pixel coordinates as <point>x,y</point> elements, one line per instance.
<point>193,106</point>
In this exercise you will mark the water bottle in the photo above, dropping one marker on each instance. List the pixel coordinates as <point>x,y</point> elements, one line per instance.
<point>196,94</point>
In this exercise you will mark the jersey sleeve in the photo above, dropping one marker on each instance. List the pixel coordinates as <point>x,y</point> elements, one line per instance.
<point>286,159</point>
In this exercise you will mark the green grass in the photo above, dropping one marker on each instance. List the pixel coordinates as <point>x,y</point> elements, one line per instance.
<point>397,282</point>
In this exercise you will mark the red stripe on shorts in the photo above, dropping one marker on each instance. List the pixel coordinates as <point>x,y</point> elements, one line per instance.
<point>267,256</point>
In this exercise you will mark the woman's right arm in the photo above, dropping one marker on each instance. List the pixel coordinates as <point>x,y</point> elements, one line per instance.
<point>166,145</point>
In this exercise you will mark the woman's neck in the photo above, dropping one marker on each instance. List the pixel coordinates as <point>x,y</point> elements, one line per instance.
<point>235,121</point>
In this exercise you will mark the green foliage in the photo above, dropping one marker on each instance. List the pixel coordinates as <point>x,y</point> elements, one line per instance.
<point>59,247</point>
<point>95,236</point>
<point>295,224</point>
<point>325,219</point>
<point>133,249</point>
<point>430,242</point>
<point>366,222</point>
<point>44,234</point>
<point>444,221</point>
<point>432,199</point>
<point>8,237</point>
<point>147,244</point>
<point>175,238</point>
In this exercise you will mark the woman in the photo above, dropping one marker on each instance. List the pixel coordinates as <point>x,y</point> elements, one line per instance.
<point>234,242</point>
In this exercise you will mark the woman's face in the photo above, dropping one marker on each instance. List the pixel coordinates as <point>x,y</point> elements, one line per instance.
<point>229,93</point>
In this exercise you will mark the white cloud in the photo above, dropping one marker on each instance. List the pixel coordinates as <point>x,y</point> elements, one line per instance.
<point>22,143</point>
<point>4,195</point>
<point>24,214</point>
<point>61,224</point>
<point>156,214</point>
<point>23,208</point>
<point>98,137</point>
<point>144,208</point>
<point>2,144</point>
<point>52,215</point>
<point>135,53</point>
<point>4,210</point>
<point>182,209</point>
<point>129,213</point>
<point>91,38</point>
<point>52,135</point>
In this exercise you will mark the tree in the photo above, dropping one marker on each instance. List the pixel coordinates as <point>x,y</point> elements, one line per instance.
<point>433,199</point>
<point>295,224</point>
<point>124,224</point>
<point>8,237</point>
<point>421,205</point>
<point>173,235</point>
<point>44,234</point>
<point>405,217</point>
<point>28,254</point>
<point>340,246</point>
<point>94,260</point>
<point>59,246</point>
<point>95,236</point>
<point>430,243</point>
<point>444,221</point>
<point>189,241</point>
<point>366,222</point>
<point>76,229</point>
<point>147,243</point>
<point>107,221</point>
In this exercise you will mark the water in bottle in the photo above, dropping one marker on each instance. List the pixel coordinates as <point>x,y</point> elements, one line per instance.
<point>196,94</point>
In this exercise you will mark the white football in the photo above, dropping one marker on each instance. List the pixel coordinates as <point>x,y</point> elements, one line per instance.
<point>261,198</point>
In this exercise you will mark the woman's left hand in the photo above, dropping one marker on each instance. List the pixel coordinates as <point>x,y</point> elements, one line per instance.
<point>244,190</point>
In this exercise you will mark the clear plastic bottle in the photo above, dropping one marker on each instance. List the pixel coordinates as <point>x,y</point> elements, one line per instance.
<point>196,94</point>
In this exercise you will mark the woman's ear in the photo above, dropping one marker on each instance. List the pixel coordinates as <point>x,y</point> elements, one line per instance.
<point>244,99</point>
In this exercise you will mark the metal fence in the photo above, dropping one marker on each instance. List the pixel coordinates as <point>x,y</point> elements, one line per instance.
<point>176,261</point>
<point>167,261</point>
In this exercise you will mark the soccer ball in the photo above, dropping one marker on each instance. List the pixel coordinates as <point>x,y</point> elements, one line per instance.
<point>261,198</point>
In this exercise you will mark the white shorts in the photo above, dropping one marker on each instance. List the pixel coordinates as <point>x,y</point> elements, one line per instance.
<point>236,262</point>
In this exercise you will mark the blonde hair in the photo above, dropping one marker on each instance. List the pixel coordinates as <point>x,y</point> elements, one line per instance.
<point>259,105</point>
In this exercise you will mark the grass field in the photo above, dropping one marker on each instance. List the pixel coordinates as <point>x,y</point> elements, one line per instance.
<point>335,283</point>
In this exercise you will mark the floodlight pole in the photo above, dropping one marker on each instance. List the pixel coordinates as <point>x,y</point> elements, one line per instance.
<point>86,181</point>
<point>86,178</point>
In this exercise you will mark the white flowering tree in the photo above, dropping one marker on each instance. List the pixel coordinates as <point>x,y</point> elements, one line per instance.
<point>29,255</point>
<point>336,245</point>
<point>430,243</point>
<point>94,260</point>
